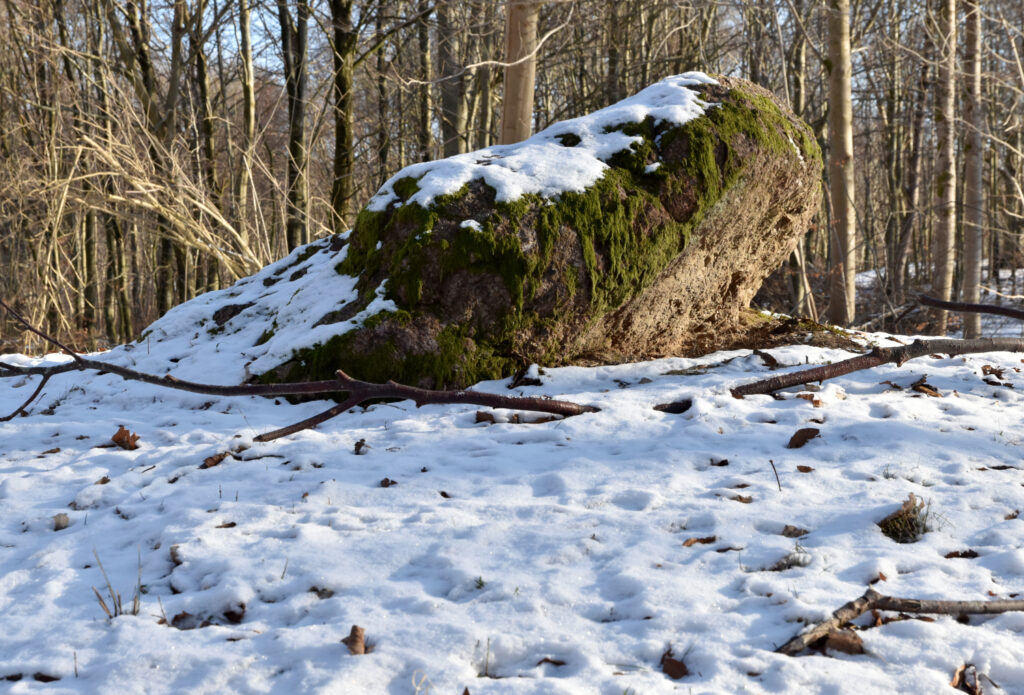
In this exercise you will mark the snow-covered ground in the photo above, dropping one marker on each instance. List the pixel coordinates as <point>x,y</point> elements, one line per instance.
<point>503,545</point>
<point>560,557</point>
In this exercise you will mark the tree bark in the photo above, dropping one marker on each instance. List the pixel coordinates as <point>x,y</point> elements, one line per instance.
<point>248,142</point>
<point>974,162</point>
<point>345,42</point>
<point>424,130</point>
<point>294,35</point>
<point>842,291</point>
<point>520,45</point>
<point>945,186</point>
<point>453,83</point>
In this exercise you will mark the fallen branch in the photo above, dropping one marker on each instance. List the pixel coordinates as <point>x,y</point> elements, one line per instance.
<point>879,356</point>
<point>358,391</point>
<point>964,307</point>
<point>872,600</point>
<point>361,391</point>
<point>35,394</point>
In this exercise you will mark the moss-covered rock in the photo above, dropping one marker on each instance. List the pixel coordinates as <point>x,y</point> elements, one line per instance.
<point>661,255</point>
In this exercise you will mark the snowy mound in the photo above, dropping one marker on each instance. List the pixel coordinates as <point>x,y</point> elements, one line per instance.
<point>226,336</point>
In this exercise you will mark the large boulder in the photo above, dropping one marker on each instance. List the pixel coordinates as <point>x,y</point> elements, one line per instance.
<point>640,230</point>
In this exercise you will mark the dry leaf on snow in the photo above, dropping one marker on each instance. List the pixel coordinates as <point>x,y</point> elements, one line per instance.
<point>703,541</point>
<point>672,667</point>
<point>802,436</point>
<point>125,439</point>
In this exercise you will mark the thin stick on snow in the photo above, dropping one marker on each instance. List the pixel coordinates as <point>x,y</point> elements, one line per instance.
<point>872,600</point>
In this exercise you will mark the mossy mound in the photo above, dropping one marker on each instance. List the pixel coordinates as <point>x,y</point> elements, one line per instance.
<point>659,256</point>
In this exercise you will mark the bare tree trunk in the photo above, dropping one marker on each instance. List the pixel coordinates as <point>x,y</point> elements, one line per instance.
<point>294,34</point>
<point>974,156</point>
<point>945,186</point>
<point>520,42</point>
<point>453,86</point>
<point>424,132</point>
<point>345,42</point>
<point>248,120</point>
<point>912,191</point>
<point>383,104</point>
<point>842,293</point>
<point>614,38</point>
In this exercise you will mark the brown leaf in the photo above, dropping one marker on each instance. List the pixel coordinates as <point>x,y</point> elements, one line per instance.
<point>388,482</point>
<point>723,462</point>
<point>880,578</point>
<point>988,369</point>
<point>891,385</point>
<point>55,450</point>
<point>695,540</point>
<point>804,469</point>
<point>125,439</point>
<point>965,554</point>
<point>745,499</point>
<point>966,679</point>
<point>227,524</point>
<point>482,416</point>
<point>846,641</point>
<point>444,494</point>
<point>922,386</point>
<point>802,436</point>
<point>361,447</point>
<point>102,481</point>
<point>671,667</point>
<point>790,531</point>
<point>549,660</point>
<point>211,461</point>
<point>356,641</point>
<point>816,402</point>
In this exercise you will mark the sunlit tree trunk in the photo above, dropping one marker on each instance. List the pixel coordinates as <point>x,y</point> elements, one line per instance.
<point>345,42</point>
<point>520,74</point>
<point>974,162</point>
<point>945,185</point>
<point>842,294</point>
<point>294,35</point>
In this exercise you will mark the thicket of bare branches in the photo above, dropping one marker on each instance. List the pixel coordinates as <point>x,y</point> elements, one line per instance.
<point>150,151</point>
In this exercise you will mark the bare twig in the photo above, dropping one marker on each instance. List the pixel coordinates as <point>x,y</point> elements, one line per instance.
<point>879,356</point>
<point>20,409</point>
<point>872,600</point>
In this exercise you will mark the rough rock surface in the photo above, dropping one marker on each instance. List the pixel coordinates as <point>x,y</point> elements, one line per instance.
<point>660,256</point>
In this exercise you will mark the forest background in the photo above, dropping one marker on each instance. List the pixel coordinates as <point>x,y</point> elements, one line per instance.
<point>152,151</point>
